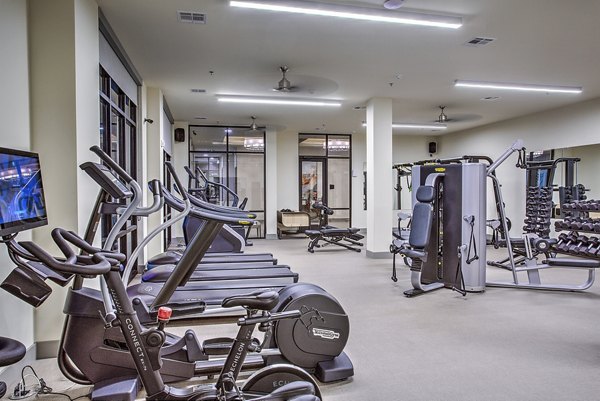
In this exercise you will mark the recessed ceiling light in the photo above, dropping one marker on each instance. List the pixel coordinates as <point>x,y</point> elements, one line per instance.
<point>279,101</point>
<point>417,126</point>
<point>352,12</point>
<point>393,4</point>
<point>519,87</point>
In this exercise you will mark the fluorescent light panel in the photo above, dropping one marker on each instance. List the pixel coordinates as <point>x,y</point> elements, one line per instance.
<point>518,87</point>
<point>275,101</point>
<point>417,126</point>
<point>350,12</point>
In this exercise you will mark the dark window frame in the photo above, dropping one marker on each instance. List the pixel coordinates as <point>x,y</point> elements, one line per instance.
<point>326,169</point>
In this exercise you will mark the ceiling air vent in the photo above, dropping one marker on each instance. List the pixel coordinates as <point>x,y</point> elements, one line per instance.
<point>191,17</point>
<point>194,90</point>
<point>479,41</point>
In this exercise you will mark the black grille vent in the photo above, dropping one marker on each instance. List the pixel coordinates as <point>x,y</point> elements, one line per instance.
<point>191,17</point>
<point>479,41</point>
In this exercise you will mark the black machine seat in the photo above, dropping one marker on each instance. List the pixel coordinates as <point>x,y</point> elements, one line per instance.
<point>11,351</point>
<point>425,194</point>
<point>258,300</point>
<point>414,254</point>
<point>339,231</point>
<point>422,218</point>
<point>583,263</point>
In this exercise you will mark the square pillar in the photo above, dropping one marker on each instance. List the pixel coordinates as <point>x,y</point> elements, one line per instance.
<point>379,177</point>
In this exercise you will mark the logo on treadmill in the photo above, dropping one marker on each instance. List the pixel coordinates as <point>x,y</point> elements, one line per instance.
<point>326,334</point>
<point>440,169</point>
<point>148,289</point>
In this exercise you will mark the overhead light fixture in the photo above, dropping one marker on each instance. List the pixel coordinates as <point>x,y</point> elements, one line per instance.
<point>254,143</point>
<point>279,101</point>
<point>518,87</point>
<point>337,145</point>
<point>417,126</point>
<point>352,12</point>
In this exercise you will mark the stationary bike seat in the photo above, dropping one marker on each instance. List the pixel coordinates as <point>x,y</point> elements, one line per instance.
<point>261,301</point>
<point>11,351</point>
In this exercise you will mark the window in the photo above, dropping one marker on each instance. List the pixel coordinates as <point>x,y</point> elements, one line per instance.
<point>235,158</point>
<point>118,127</point>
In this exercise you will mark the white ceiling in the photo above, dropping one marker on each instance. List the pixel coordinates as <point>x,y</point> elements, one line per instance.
<point>538,41</point>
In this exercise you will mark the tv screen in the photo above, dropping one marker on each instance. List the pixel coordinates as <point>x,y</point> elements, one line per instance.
<point>22,204</point>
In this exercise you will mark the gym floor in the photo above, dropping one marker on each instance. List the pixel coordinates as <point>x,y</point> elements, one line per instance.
<point>504,344</point>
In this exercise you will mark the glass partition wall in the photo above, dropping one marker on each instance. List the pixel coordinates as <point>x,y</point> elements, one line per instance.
<point>325,176</point>
<point>235,158</point>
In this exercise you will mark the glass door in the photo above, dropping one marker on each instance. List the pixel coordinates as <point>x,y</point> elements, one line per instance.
<point>313,181</point>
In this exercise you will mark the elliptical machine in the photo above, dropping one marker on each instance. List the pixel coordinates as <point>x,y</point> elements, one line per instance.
<point>145,345</point>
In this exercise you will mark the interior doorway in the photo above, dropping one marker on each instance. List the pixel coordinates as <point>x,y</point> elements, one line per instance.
<point>325,176</point>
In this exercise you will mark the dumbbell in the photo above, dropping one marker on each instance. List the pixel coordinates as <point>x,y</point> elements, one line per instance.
<point>578,245</point>
<point>592,247</point>
<point>561,225</point>
<point>594,251</point>
<point>564,244</point>
<point>562,238</point>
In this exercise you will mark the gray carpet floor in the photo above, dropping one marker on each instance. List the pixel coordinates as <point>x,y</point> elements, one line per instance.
<point>504,344</point>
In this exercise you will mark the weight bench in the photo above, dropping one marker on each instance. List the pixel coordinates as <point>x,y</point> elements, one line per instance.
<point>534,246</point>
<point>348,238</point>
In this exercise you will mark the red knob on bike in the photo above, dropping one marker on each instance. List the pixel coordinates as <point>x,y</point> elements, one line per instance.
<point>164,313</point>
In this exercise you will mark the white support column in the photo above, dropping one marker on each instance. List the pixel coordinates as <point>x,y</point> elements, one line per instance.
<point>379,177</point>
<point>64,76</point>
<point>271,183</point>
<point>154,166</point>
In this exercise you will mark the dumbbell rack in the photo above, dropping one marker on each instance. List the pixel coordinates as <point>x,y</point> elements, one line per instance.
<point>538,211</point>
<point>579,223</point>
<point>569,195</point>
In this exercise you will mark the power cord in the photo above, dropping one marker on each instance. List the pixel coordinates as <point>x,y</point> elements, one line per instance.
<point>21,392</point>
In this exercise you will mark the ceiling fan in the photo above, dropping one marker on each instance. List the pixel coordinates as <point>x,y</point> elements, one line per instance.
<point>254,128</point>
<point>444,119</point>
<point>284,85</point>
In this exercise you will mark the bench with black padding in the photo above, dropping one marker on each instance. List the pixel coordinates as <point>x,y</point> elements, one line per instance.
<point>348,238</point>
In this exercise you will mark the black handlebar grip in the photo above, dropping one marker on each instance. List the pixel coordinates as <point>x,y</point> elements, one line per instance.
<point>154,186</point>
<point>182,190</point>
<point>112,164</point>
<point>100,266</point>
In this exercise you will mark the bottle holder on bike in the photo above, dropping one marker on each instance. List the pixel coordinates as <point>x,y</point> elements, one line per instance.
<point>27,286</point>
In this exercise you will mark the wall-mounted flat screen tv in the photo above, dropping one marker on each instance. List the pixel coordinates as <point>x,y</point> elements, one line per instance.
<point>22,204</point>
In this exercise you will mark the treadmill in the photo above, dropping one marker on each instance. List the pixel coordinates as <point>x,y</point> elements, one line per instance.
<point>172,291</point>
<point>269,274</point>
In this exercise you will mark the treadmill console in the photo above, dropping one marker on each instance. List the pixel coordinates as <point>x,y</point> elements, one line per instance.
<point>107,180</point>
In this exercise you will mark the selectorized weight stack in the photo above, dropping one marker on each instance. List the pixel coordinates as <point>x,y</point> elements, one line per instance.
<point>455,251</point>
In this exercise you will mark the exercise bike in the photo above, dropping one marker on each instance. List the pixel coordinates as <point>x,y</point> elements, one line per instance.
<point>144,345</point>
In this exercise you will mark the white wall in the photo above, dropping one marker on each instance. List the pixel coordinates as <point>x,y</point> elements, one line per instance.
<point>287,170</point>
<point>16,317</point>
<point>408,149</point>
<point>574,125</point>
<point>359,159</point>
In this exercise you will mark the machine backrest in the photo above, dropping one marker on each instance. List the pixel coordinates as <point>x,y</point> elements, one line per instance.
<point>422,218</point>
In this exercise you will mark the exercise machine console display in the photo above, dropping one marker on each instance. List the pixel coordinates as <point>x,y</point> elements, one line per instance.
<point>22,204</point>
